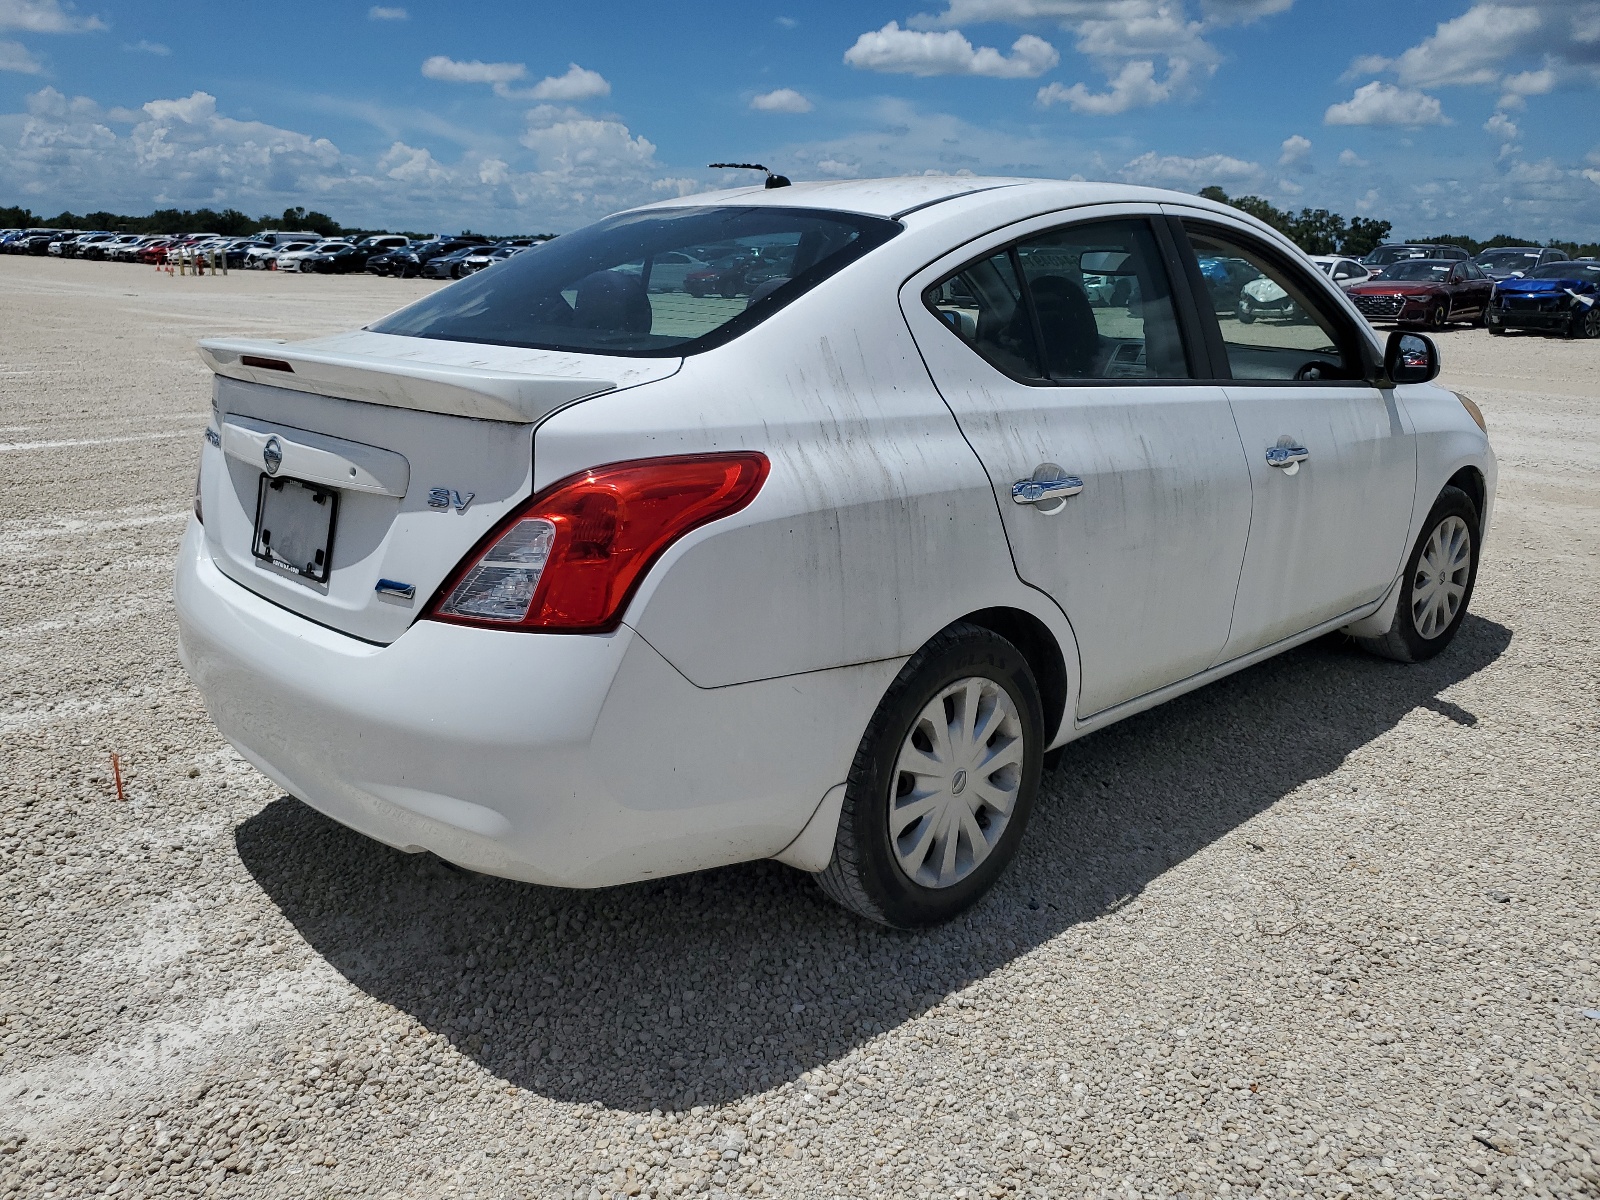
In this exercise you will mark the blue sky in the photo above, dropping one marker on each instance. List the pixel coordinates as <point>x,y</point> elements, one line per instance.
<point>1460,116</point>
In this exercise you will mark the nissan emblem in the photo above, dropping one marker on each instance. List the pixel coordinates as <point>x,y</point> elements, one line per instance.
<point>272,455</point>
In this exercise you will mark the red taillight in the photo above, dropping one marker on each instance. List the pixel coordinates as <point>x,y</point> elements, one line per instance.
<point>571,557</point>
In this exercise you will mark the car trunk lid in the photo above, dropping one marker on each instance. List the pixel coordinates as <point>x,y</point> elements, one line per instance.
<point>391,456</point>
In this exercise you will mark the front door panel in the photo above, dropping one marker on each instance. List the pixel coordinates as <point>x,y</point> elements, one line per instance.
<point>1329,537</point>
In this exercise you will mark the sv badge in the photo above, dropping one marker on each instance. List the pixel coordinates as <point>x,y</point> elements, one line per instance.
<point>446,498</point>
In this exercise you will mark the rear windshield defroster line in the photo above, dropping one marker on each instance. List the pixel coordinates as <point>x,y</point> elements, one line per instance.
<point>659,283</point>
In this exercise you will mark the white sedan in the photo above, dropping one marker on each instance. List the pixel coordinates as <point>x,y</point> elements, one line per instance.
<point>1346,272</point>
<point>576,583</point>
<point>294,260</point>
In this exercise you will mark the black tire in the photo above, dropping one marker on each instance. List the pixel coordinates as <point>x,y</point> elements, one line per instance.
<point>1246,311</point>
<point>1497,331</point>
<point>1403,642</point>
<point>864,874</point>
<point>1438,315</point>
<point>1586,323</point>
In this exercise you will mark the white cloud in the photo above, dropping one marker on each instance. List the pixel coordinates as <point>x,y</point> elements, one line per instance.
<point>379,13</point>
<point>1502,127</point>
<point>783,100</point>
<point>576,84</point>
<point>1296,150</point>
<point>14,56</point>
<point>144,47</point>
<point>1468,49</point>
<point>1289,187</point>
<point>787,22</point>
<point>909,52</point>
<point>1378,103</point>
<point>1175,170</point>
<point>44,16</point>
<point>186,152</point>
<point>1135,86</point>
<point>1527,83</point>
<point>450,71</point>
<point>1349,158</point>
<point>1239,12</point>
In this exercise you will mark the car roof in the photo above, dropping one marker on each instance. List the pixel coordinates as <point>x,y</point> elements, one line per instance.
<point>899,197</point>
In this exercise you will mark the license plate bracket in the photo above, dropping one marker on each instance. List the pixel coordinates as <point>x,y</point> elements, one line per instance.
<point>294,526</point>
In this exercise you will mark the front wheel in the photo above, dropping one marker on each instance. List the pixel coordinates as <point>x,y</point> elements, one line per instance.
<point>1438,315</point>
<point>1246,311</point>
<point>1437,585</point>
<point>942,785</point>
<point>1586,323</point>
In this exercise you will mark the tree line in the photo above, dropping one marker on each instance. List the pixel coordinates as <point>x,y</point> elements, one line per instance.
<point>230,222</point>
<point>1318,231</point>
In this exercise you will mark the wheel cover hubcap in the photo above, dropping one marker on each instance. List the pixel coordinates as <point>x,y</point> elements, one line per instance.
<point>1440,583</point>
<point>955,782</point>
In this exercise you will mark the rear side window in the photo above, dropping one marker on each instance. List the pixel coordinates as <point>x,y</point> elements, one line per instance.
<point>654,283</point>
<point>1082,303</point>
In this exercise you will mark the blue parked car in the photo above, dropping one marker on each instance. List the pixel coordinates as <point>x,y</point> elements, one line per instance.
<point>1559,297</point>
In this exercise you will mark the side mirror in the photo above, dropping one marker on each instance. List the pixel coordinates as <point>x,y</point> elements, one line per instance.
<point>1410,358</point>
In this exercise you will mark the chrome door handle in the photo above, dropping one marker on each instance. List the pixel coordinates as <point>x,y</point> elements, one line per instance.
<point>1037,491</point>
<point>1286,455</point>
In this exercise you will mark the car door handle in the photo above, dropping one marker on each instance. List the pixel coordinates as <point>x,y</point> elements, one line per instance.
<point>1036,491</point>
<point>1286,455</point>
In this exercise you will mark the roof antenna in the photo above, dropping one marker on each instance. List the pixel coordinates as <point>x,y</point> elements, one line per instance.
<point>773,181</point>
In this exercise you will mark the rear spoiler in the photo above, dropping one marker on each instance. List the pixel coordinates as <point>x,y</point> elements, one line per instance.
<point>457,391</point>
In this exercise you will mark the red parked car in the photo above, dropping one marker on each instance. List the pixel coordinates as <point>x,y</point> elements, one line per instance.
<point>1425,291</point>
<point>154,254</point>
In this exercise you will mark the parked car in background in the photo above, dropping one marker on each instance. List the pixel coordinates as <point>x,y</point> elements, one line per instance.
<point>1344,271</point>
<point>1425,291</point>
<point>354,257</point>
<point>1505,262</point>
<point>582,586</point>
<point>1264,297</point>
<point>1225,279</point>
<point>37,241</point>
<point>155,252</point>
<point>408,263</point>
<point>449,266</point>
<point>1559,297</point>
<point>487,256</point>
<point>294,260</point>
<point>102,249</point>
<point>1393,252</point>
<point>265,258</point>
<point>133,251</point>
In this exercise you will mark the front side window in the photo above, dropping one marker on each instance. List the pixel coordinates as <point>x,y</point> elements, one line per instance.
<point>600,291</point>
<point>1082,303</point>
<point>1275,327</point>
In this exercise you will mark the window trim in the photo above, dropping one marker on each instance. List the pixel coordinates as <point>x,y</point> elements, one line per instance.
<point>1170,260</point>
<point>1222,371</point>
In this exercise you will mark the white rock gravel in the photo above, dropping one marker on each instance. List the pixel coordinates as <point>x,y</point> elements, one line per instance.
<point>1325,929</point>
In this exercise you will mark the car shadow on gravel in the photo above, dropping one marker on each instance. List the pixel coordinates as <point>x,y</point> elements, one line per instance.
<point>705,988</point>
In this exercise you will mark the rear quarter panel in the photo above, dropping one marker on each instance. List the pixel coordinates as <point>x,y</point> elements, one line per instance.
<point>876,527</point>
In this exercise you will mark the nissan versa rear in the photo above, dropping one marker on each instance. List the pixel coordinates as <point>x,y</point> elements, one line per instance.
<point>568,574</point>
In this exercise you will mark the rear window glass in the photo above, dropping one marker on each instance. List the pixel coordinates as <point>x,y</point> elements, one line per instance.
<point>654,283</point>
<point>1422,271</point>
<point>1587,272</point>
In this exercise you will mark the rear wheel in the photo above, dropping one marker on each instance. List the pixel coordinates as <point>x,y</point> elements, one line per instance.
<point>943,783</point>
<point>1437,585</point>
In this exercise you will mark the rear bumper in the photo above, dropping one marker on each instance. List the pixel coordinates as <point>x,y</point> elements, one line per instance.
<point>570,761</point>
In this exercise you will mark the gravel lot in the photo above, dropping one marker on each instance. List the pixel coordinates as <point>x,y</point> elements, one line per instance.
<point>1326,928</point>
